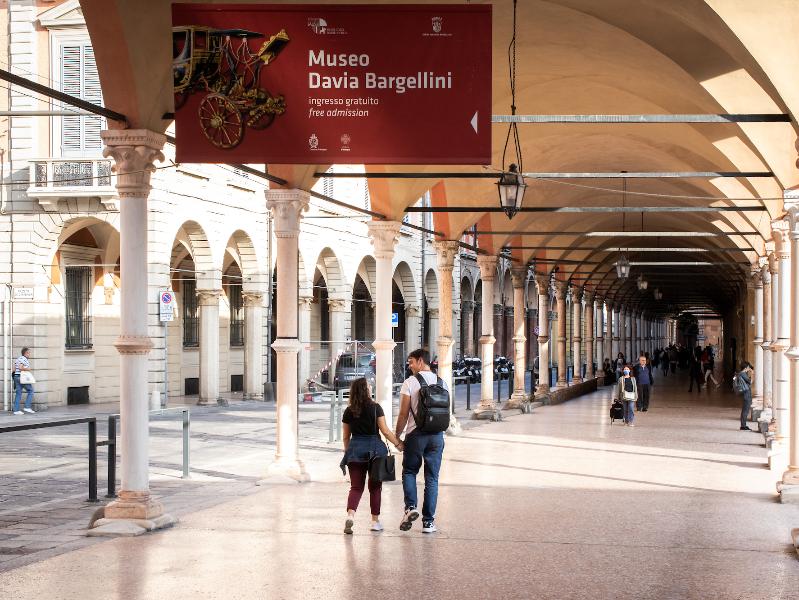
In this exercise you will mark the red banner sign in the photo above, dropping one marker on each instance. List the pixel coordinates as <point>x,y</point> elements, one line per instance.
<point>316,84</point>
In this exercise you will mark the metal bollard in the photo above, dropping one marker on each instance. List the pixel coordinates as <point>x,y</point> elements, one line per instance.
<point>112,457</point>
<point>468,395</point>
<point>186,437</point>
<point>339,413</point>
<point>93,461</point>
<point>332,419</point>
<point>510,384</point>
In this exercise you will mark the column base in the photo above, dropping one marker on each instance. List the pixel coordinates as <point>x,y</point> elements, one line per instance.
<point>791,476</point>
<point>789,494</point>
<point>516,401</point>
<point>795,537</point>
<point>283,470</point>
<point>487,412</point>
<point>561,384</point>
<point>212,402</point>
<point>454,426</point>
<point>132,514</point>
<point>778,455</point>
<point>254,397</point>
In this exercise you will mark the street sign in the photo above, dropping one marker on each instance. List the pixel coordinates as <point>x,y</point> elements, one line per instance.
<point>166,306</point>
<point>23,293</point>
<point>395,319</point>
<point>536,330</point>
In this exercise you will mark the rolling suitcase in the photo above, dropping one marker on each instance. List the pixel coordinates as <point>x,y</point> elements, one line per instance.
<point>616,411</point>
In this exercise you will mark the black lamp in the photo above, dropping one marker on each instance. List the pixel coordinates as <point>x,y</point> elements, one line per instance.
<point>511,187</point>
<point>622,267</point>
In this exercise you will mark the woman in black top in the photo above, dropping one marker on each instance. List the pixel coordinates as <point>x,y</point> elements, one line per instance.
<point>362,420</point>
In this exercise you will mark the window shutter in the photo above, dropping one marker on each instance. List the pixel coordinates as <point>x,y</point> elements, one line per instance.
<point>79,77</point>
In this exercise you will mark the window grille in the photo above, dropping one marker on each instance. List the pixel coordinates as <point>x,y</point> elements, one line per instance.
<point>78,303</point>
<point>236,315</point>
<point>191,317</point>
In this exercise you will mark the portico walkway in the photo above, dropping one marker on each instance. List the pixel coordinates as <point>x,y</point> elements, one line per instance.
<point>557,504</point>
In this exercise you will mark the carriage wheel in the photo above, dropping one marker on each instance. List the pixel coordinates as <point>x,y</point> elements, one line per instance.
<point>221,121</point>
<point>263,118</point>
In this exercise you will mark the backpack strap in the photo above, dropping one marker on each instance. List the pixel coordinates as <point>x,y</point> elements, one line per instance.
<point>421,380</point>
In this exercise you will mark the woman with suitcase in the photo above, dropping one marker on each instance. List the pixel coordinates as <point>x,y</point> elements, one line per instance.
<point>627,394</point>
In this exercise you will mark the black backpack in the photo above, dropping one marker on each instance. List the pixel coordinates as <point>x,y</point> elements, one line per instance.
<point>432,414</point>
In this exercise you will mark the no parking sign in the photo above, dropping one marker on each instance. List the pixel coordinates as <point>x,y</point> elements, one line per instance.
<point>166,306</point>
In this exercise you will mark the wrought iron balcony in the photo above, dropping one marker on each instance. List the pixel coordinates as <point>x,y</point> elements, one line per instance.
<point>54,179</point>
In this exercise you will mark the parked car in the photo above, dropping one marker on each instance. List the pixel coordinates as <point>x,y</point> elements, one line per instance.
<point>350,367</point>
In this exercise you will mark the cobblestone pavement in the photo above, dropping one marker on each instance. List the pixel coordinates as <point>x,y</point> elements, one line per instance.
<point>557,504</point>
<point>44,472</point>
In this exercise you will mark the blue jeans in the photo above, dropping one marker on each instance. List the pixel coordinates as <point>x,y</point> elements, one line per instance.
<point>427,448</point>
<point>18,393</point>
<point>629,411</point>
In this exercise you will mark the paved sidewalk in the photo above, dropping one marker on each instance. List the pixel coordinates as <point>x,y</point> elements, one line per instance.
<point>557,504</point>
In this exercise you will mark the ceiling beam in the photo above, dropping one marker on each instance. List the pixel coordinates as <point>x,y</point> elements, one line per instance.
<point>622,233</point>
<point>614,119</point>
<point>548,175</point>
<point>587,209</point>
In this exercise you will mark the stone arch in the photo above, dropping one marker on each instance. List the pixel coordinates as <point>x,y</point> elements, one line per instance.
<point>362,318</point>
<point>193,237</point>
<point>431,287</point>
<point>329,266</point>
<point>467,294</point>
<point>241,249</point>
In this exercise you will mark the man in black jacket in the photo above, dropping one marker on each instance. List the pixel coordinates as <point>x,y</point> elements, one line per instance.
<point>644,380</point>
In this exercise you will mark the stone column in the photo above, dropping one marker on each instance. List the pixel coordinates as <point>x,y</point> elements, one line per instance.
<point>134,152</point>
<point>488,272</point>
<point>339,309</point>
<point>774,268</point>
<point>766,345</point>
<point>561,289</point>
<point>208,303</point>
<point>577,337</point>
<point>446,251</point>
<point>589,335</point>
<point>782,391</point>
<point>633,336</point>
<point>467,323</point>
<point>413,327</point>
<point>615,321</point>
<point>542,283</point>
<point>432,330</point>
<point>519,281</point>
<point>499,329</point>
<point>287,206</point>
<point>304,328</point>
<point>600,333</point>
<point>384,236</point>
<point>253,345</point>
<point>791,476</point>
<point>757,388</point>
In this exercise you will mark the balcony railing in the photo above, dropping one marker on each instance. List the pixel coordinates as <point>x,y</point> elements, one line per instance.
<point>54,179</point>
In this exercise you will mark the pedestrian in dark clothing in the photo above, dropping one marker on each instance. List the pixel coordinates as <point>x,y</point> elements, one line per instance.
<point>695,375</point>
<point>644,380</point>
<point>746,375</point>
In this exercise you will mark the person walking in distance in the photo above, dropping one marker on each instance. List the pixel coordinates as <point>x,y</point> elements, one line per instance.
<point>644,380</point>
<point>627,394</point>
<point>363,421</point>
<point>708,362</point>
<point>23,380</point>
<point>423,418</point>
<point>745,377</point>
<point>695,373</point>
<point>619,364</point>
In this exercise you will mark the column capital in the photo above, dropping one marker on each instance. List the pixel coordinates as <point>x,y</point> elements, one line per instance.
<point>252,298</point>
<point>433,313</point>
<point>561,289</point>
<point>780,230</point>
<point>412,310</point>
<point>542,283</point>
<point>338,305</point>
<point>488,266</point>
<point>466,305</point>
<point>446,251</point>
<point>757,277</point>
<point>588,296</point>
<point>384,236</point>
<point>134,152</point>
<point>791,206</point>
<point>518,277</point>
<point>304,302</point>
<point>773,263</point>
<point>208,297</point>
<point>287,206</point>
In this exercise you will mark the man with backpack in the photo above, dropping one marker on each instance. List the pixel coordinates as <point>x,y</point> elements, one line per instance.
<point>423,417</point>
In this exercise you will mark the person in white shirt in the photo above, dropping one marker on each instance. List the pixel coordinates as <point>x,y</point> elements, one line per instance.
<point>22,364</point>
<point>419,447</point>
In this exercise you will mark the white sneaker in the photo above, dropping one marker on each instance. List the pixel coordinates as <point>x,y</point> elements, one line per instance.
<point>376,526</point>
<point>29,411</point>
<point>429,527</point>
<point>18,412</point>
<point>411,514</point>
<point>348,525</point>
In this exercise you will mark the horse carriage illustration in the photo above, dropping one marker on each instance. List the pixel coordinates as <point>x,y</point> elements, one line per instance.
<point>220,63</point>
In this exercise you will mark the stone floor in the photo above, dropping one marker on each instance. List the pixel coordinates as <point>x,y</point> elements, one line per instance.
<point>557,504</point>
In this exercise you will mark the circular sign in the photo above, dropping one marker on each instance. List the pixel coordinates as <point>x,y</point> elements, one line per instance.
<point>166,298</point>
<point>536,330</point>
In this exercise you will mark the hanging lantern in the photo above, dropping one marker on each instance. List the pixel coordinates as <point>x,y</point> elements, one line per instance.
<point>657,294</point>
<point>511,188</point>
<point>622,267</point>
<point>642,284</point>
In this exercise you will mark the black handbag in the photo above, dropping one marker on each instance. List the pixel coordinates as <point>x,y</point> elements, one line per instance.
<point>382,468</point>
